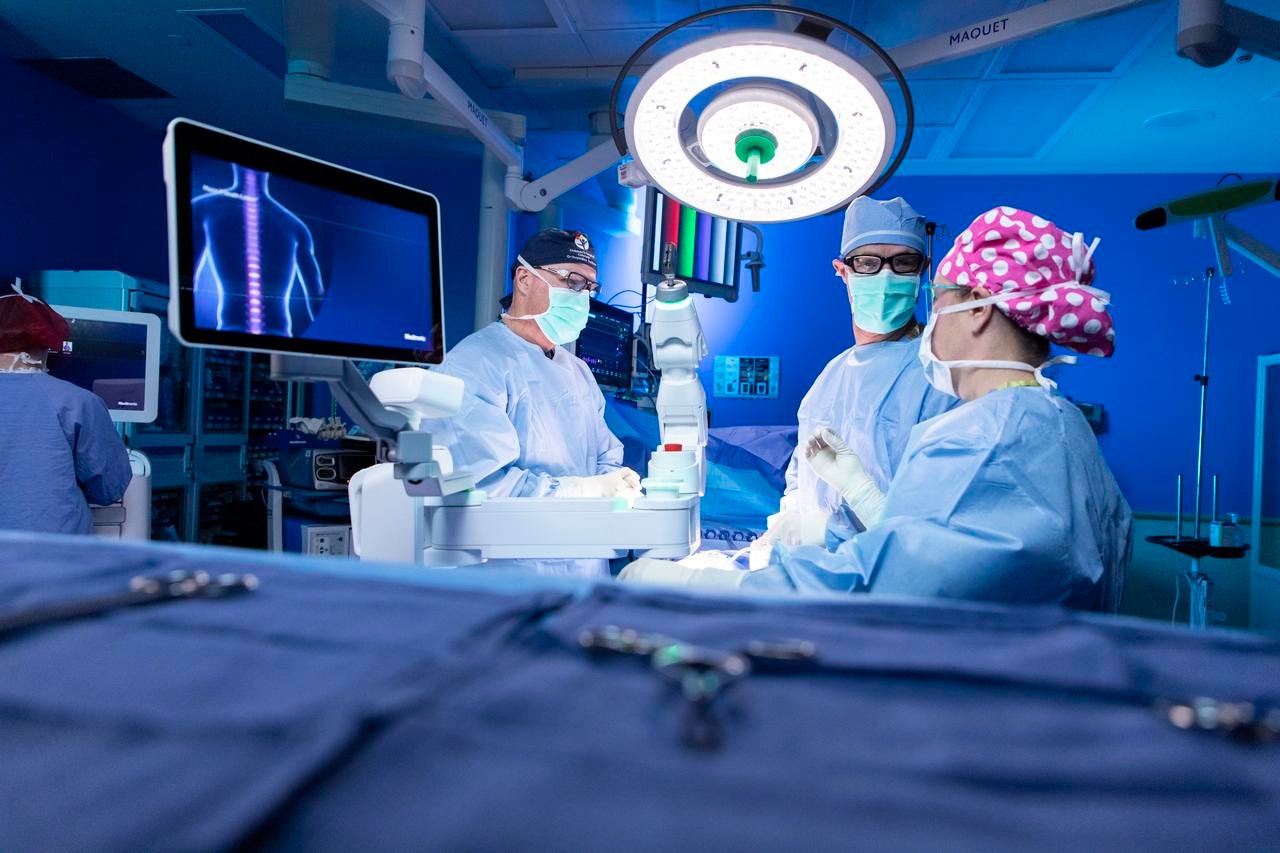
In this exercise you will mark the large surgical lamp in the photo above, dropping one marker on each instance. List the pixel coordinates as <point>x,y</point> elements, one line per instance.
<point>761,125</point>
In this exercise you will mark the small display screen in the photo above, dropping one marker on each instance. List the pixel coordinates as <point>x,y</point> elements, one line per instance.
<point>746,376</point>
<point>705,251</point>
<point>107,358</point>
<point>605,345</point>
<point>279,252</point>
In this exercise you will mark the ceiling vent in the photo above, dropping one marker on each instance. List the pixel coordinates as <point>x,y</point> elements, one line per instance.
<point>242,32</point>
<point>97,77</point>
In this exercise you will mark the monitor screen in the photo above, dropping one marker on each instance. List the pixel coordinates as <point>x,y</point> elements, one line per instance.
<point>114,354</point>
<point>706,246</point>
<point>274,251</point>
<point>605,345</point>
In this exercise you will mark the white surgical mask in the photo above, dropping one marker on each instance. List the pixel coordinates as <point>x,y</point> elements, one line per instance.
<point>938,372</point>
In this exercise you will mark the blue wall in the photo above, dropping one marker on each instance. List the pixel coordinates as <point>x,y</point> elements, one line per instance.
<point>81,183</point>
<point>801,314</point>
<point>82,188</point>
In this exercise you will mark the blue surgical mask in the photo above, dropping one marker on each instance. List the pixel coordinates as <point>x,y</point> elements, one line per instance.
<point>884,302</point>
<point>566,314</point>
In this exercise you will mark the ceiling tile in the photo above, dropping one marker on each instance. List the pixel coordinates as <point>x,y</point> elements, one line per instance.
<point>1097,46</point>
<point>1016,120</point>
<point>614,47</point>
<point>936,101</point>
<point>969,67</point>
<point>496,55</point>
<point>463,15</point>
<point>923,141</point>
<point>655,14</point>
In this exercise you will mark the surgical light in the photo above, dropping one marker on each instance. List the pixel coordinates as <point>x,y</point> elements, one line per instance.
<point>791,127</point>
<point>758,132</point>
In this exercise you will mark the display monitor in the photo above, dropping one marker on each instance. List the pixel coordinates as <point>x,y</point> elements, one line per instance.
<point>274,251</point>
<point>114,354</point>
<point>605,345</point>
<point>706,247</point>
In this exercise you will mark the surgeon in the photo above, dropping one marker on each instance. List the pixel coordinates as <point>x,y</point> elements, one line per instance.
<point>59,451</point>
<point>1005,498</point>
<point>874,392</point>
<point>532,418</point>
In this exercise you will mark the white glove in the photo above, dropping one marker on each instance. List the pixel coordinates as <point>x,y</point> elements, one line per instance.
<point>620,483</point>
<point>837,464</point>
<point>797,527</point>
<point>791,528</point>
<point>647,570</point>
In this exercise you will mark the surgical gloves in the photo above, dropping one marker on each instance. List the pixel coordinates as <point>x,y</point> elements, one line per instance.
<point>837,464</point>
<point>620,483</point>
<point>647,570</point>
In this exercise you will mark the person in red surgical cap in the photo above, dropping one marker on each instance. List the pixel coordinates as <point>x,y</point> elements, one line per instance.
<point>59,451</point>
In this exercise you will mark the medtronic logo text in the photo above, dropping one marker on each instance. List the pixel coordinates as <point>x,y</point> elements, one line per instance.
<point>979,32</point>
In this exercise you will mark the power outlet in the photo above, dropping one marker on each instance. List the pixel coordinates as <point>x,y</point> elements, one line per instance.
<point>328,541</point>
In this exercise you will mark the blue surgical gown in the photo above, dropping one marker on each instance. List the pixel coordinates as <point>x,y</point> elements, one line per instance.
<point>1006,498</point>
<point>872,396</point>
<point>526,420</point>
<point>59,452</point>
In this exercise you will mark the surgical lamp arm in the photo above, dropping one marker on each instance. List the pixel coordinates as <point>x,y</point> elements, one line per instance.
<point>1252,248</point>
<point>416,74</point>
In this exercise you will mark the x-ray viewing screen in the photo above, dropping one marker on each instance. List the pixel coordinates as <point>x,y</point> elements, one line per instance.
<point>279,252</point>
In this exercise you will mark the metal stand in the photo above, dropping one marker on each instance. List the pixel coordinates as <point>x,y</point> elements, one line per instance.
<point>1199,585</point>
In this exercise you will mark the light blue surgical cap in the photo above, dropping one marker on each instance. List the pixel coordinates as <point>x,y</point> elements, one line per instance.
<point>868,221</point>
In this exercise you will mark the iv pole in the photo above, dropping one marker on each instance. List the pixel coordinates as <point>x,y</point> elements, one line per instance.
<point>1207,211</point>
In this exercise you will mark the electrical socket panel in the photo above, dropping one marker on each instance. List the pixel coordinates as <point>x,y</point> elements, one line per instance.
<point>327,540</point>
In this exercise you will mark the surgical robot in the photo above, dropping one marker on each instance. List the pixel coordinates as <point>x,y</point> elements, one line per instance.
<point>418,509</point>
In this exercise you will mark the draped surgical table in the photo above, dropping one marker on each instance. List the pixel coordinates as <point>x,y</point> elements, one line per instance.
<point>348,706</point>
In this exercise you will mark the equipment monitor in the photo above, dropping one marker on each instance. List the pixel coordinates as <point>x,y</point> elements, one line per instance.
<point>274,251</point>
<point>114,354</point>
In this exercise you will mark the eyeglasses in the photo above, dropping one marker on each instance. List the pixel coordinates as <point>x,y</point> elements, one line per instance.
<point>575,281</point>
<point>908,263</point>
<point>936,290</point>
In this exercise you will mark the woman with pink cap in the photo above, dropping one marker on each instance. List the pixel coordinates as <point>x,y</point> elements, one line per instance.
<point>59,450</point>
<point>1007,497</point>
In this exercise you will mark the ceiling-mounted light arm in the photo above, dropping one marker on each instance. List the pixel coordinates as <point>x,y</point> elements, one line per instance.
<point>536,195</point>
<point>1207,211</point>
<point>416,74</point>
<point>990,33</point>
<point>1211,31</point>
<point>817,19</point>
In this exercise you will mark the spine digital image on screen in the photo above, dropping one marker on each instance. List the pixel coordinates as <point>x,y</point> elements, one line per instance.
<point>283,258</point>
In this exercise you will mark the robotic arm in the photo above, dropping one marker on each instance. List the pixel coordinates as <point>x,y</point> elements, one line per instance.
<point>678,466</point>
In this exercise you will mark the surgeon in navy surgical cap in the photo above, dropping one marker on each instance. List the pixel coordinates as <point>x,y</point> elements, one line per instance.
<point>532,418</point>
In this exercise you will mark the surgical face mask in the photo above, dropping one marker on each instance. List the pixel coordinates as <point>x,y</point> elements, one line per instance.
<point>884,302</point>
<point>566,314</point>
<point>938,372</point>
